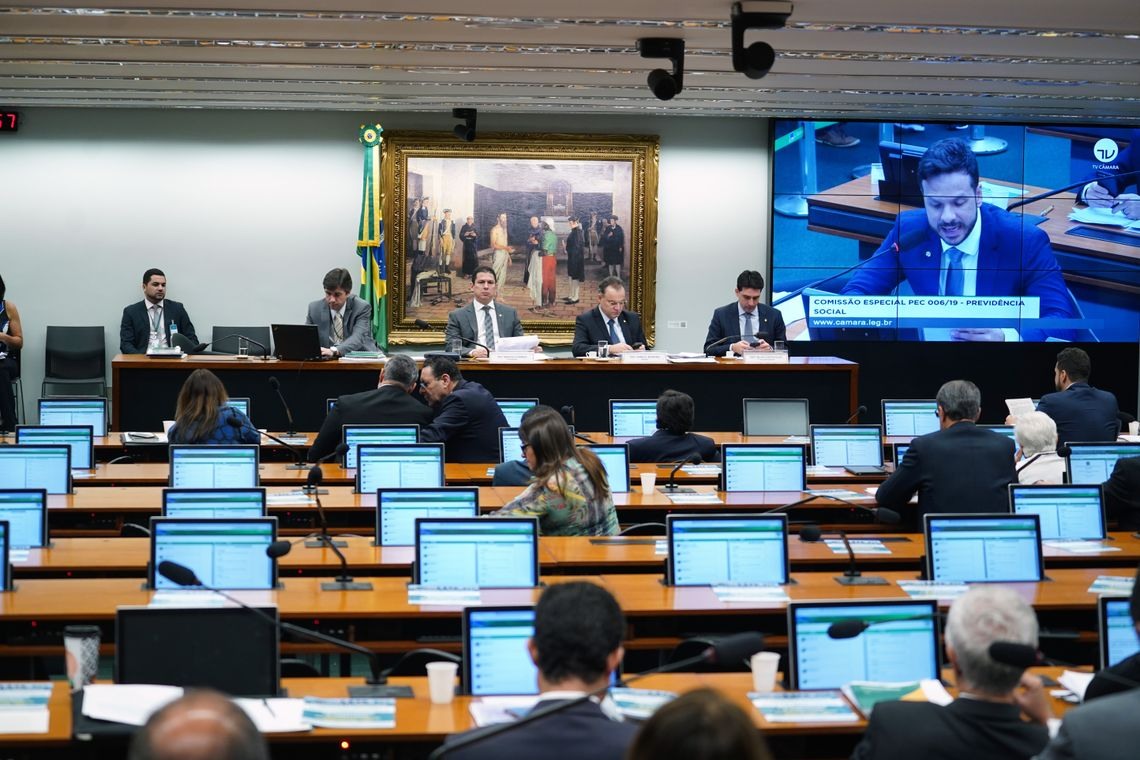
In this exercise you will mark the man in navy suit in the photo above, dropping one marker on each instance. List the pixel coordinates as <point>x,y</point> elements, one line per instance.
<point>673,439</point>
<point>1082,413</point>
<point>467,417</point>
<point>746,323</point>
<point>149,320</point>
<point>609,322</point>
<point>578,629</point>
<point>969,248</point>
<point>474,323</point>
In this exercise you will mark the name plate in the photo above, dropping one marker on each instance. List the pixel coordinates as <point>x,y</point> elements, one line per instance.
<point>644,357</point>
<point>765,357</point>
<point>512,357</point>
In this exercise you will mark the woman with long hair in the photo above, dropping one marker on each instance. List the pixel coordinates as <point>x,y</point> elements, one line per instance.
<point>203,414</point>
<point>570,494</point>
<point>11,339</point>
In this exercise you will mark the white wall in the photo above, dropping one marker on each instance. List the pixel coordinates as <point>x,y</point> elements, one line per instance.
<point>246,210</point>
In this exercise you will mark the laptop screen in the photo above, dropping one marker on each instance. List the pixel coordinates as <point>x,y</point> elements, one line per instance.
<point>213,466</point>
<point>5,565</point>
<point>241,404</point>
<point>900,452</point>
<point>615,458</point>
<point>839,445</point>
<point>631,418</point>
<point>354,435</point>
<point>389,465</point>
<point>213,503</point>
<point>1065,512</point>
<point>712,550</point>
<point>979,548</point>
<point>226,554</point>
<point>76,437</point>
<point>510,447</point>
<point>35,466</point>
<point>398,508</point>
<point>495,656</point>
<point>75,411</point>
<point>515,408</point>
<point>25,511</point>
<point>776,416</point>
<point>488,552</point>
<point>226,648</point>
<point>1118,639</point>
<point>899,644</point>
<point>1092,463</point>
<point>762,467</point>
<point>910,417</point>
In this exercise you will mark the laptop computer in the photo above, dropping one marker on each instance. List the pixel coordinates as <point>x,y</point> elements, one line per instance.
<point>1066,512</point>
<point>515,408</point>
<point>299,343</point>
<point>711,550</point>
<point>241,403</point>
<point>5,565</point>
<point>762,467</point>
<point>900,450</point>
<point>25,511</point>
<point>398,508</point>
<point>981,548</point>
<point>633,418</point>
<point>355,435</point>
<point>856,448</point>
<point>499,552</point>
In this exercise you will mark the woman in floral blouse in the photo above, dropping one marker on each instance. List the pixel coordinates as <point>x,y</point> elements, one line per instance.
<point>569,494</point>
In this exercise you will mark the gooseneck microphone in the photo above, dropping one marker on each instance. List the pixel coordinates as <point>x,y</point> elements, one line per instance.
<point>852,576</point>
<point>201,347</point>
<point>728,339</point>
<point>884,515</point>
<point>275,384</point>
<point>298,464</point>
<point>861,410</point>
<point>671,486</point>
<point>342,582</point>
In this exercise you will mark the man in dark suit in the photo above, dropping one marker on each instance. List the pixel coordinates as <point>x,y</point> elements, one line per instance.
<point>467,417</point>
<point>148,321</point>
<point>958,468</point>
<point>1082,413</point>
<point>959,246</point>
<point>389,404</point>
<point>578,629</point>
<point>343,320</point>
<point>1124,675</point>
<point>484,320</point>
<point>1106,729</point>
<point>673,440</point>
<point>985,721</point>
<point>610,322</point>
<point>746,323</point>
<point>1109,192</point>
<point>1122,493</point>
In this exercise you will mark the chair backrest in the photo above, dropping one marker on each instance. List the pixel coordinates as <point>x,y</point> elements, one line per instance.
<point>75,353</point>
<point>223,345</point>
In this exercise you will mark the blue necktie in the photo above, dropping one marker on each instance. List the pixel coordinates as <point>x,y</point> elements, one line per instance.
<point>955,277</point>
<point>613,334</point>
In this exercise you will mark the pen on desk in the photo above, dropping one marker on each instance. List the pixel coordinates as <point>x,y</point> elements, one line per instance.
<point>265,702</point>
<point>1047,211</point>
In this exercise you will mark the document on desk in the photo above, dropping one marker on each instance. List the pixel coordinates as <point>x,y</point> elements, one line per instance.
<point>698,497</point>
<point>186,598</point>
<point>490,710</point>
<point>19,556</point>
<point>287,498</point>
<point>1076,682</point>
<point>1078,546</point>
<point>24,707</point>
<point>706,470</point>
<point>933,589</point>
<point>444,596</point>
<point>1110,217</point>
<point>858,545</point>
<point>131,704</point>
<point>1112,584</point>
<point>274,716</point>
<point>803,707</point>
<point>751,593</point>
<point>639,704</point>
<point>351,712</point>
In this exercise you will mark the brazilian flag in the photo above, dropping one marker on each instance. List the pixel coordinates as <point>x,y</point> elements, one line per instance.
<point>370,238</point>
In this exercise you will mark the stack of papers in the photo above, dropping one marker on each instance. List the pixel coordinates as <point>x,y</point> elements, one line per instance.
<point>639,704</point>
<point>24,707</point>
<point>701,469</point>
<point>133,704</point>
<point>1079,546</point>
<point>680,497</point>
<point>686,357</point>
<point>1103,216</point>
<point>444,596</point>
<point>1117,585</point>
<point>803,707</point>
<point>767,592</point>
<point>858,545</point>
<point>353,712</point>
<point>866,694</point>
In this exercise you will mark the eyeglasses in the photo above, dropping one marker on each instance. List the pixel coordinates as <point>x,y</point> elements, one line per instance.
<point>525,445</point>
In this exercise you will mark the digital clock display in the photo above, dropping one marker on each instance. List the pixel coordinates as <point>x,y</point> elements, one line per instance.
<point>9,120</point>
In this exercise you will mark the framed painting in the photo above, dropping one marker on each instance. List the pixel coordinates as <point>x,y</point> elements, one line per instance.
<point>552,215</point>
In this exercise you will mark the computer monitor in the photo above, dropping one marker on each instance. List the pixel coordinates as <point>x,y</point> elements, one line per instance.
<point>1065,512</point>
<point>390,465</point>
<point>1092,463</point>
<point>329,404</point>
<point>79,438</point>
<point>909,417</point>
<point>398,508</point>
<point>900,450</point>
<point>25,511</point>
<point>231,649</point>
<point>615,458</point>
<point>1006,430</point>
<point>762,467</point>
<point>632,418</point>
<point>842,445</point>
<point>240,403</point>
<point>710,550</point>
<point>1118,639</point>
<point>75,410</point>
<point>515,408</point>
<point>203,466</point>
<point>983,548</point>
<point>487,552</point>
<point>900,183</point>
<point>354,435</point>
<point>213,503</point>
<point>36,466</point>
<point>226,554</point>
<point>510,447</point>
<point>495,656</point>
<point>900,643</point>
<point>5,564</point>
<point>776,416</point>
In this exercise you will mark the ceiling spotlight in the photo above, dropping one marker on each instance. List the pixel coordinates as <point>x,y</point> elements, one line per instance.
<point>756,60</point>
<point>662,83</point>
<point>466,130</point>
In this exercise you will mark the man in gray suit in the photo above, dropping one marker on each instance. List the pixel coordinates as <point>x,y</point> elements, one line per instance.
<point>483,320</point>
<point>1105,729</point>
<point>344,321</point>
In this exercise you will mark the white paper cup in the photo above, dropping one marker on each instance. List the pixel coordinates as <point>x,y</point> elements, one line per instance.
<point>764,667</point>
<point>648,481</point>
<point>166,426</point>
<point>441,681</point>
<point>1134,428</point>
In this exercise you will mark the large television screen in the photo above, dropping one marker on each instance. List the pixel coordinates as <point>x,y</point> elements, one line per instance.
<point>935,231</point>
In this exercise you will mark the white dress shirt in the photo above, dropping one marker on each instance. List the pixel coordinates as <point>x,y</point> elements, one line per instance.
<point>969,248</point>
<point>617,325</point>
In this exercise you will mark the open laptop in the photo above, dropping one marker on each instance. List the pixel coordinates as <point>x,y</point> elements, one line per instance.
<point>762,467</point>
<point>1092,463</point>
<point>856,448</point>
<point>1066,512</point>
<point>1118,638</point>
<point>354,435</point>
<point>204,466</point>
<point>392,465</point>
<point>615,458</point>
<point>75,410</point>
<point>909,417</point>
<point>776,416</point>
<point>299,343</point>
<point>500,552</point>
<point>213,503</point>
<point>633,418</point>
<point>25,511</point>
<point>711,550</point>
<point>79,438</point>
<point>225,554</point>
<point>515,408</point>
<point>398,508</point>
<point>980,548</point>
<point>36,466</point>
<point>900,643</point>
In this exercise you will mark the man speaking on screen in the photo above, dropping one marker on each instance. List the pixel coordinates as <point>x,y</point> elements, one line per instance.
<point>959,246</point>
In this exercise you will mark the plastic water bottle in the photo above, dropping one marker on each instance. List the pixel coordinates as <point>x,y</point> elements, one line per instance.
<point>173,334</point>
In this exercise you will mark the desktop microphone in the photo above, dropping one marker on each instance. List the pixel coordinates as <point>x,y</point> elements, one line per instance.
<point>313,486</point>
<point>1082,183</point>
<point>342,582</point>
<point>861,410</point>
<point>339,451</point>
<point>852,627</point>
<point>275,384</point>
<point>727,339</point>
<point>234,422</point>
<point>733,648</point>
<point>671,486</point>
<point>881,514</point>
<point>474,343</point>
<point>852,575</point>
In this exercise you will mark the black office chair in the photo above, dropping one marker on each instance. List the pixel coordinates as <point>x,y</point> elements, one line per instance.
<point>75,357</point>
<point>224,345</point>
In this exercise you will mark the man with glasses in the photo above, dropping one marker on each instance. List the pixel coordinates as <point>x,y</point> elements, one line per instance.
<point>610,322</point>
<point>747,323</point>
<point>467,417</point>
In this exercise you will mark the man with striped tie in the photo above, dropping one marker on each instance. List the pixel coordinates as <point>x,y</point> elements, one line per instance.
<point>484,320</point>
<point>343,320</point>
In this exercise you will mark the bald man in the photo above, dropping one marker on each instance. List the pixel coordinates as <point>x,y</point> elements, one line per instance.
<point>201,725</point>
